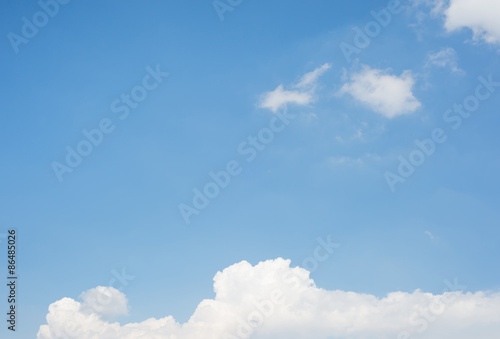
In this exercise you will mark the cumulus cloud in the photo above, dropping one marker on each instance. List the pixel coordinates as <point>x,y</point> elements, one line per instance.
<point>480,16</point>
<point>274,300</point>
<point>107,302</point>
<point>303,94</point>
<point>445,58</point>
<point>384,93</point>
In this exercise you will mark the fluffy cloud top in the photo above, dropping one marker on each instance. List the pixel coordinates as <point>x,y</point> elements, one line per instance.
<point>389,95</point>
<point>274,300</point>
<point>104,301</point>
<point>481,16</point>
<point>303,95</point>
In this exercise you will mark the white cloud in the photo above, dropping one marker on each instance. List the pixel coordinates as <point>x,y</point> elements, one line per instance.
<point>389,95</point>
<point>104,301</point>
<point>279,98</point>
<point>446,57</point>
<point>480,16</point>
<point>310,79</point>
<point>303,95</point>
<point>273,300</point>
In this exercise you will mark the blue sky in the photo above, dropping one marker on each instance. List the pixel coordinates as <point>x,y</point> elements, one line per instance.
<point>324,174</point>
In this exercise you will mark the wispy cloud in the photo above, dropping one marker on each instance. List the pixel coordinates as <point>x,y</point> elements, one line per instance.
<point>445,58</point>
<point>310,79</point>
<point>303,94</point>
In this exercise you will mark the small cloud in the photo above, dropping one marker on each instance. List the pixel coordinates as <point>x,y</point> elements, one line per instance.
<point>279,98</point>
<point>310,79</point>
<point>429,234</point>
<point>358,134</point>
<point>303,95</point>
<point>384,93</point>
<point>348,161</point>
<point>445,58</point>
